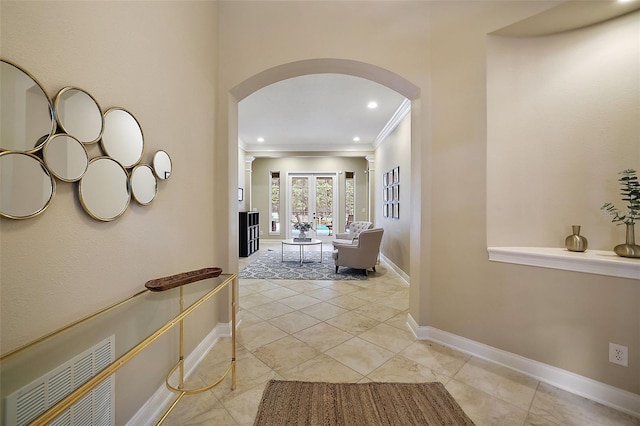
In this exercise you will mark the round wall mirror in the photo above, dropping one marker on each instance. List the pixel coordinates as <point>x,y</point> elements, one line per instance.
<point>122,138</point>
<point>26,187</point>
<point>104,189</point>
<point>162,165</point>
<point>27,119</point>
<point>144,185</point>
<point>66,157</point>
<point>79,114</point>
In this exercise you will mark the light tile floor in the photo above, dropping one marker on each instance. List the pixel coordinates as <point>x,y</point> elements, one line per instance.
<point>355,331</point>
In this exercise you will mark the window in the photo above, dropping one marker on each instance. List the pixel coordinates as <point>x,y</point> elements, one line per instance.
<point>275,203</point>
<point>349,197</point>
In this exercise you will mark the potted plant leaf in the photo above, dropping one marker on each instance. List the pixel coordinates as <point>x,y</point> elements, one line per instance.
<point>630,191</point>
<point>302,228</point>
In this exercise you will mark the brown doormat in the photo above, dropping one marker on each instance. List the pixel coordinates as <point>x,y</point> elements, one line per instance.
<point>354,404</point>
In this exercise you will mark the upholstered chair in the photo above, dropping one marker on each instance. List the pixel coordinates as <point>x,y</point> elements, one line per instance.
<point>353,230</point>
<point>363,254</point>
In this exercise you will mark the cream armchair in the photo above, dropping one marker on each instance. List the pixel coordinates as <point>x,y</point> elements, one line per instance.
<point>361,255</point>
<point>353,230</point>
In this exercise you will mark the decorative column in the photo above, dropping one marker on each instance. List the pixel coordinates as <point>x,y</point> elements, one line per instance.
<point>248,183</point>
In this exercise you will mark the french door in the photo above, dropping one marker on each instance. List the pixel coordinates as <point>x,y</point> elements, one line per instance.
<point>313,198</point>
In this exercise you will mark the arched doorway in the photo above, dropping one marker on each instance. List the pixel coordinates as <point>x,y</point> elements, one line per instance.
<point>317,66</point>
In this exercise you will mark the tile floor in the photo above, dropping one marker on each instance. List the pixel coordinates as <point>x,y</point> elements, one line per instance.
<point>355,331</point>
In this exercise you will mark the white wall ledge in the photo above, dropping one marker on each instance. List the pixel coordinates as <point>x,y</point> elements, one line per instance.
<point>591,262</point>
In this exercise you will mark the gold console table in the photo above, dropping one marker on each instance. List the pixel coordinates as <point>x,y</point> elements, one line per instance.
<point>136,323</point>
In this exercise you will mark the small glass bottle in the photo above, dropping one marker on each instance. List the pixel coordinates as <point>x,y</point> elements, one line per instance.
<point>576,242</point>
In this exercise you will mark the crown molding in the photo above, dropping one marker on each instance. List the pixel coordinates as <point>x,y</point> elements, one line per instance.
<point>394,121</point>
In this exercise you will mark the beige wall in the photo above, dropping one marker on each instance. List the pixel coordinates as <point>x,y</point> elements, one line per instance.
<point>395,151</point>
<point>560,318</point>
<point>262,190</point>
<point>157,60</point>
<point>454,287</point>
<point>63,264</point>
<point>584,86</point>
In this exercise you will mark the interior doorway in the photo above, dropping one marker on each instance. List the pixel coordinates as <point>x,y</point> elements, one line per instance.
<point>420,179</point>
<point>312,198</point>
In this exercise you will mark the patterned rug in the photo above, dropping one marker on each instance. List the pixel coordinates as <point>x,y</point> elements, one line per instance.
<point>270,265</point>
<point>358,404</point>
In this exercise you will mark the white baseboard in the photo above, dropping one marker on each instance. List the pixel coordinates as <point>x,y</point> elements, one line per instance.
<point>608,395</point>
<point>395,267</point>
<point>159,401</point>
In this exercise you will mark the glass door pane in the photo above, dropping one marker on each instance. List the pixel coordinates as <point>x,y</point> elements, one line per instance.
<point>300,199</point>
<point>324,204</point>
<point>312,198</point>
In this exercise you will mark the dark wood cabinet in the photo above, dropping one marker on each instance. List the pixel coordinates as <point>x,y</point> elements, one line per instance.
<point>249,233</point>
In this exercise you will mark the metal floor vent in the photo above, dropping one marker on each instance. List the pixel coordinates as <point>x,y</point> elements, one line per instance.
<point>96,408</point>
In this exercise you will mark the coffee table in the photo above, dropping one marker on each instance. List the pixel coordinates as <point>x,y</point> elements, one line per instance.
<point>301,244</point>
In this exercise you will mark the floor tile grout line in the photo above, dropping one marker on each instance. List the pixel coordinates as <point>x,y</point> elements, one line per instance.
<point>305,288</point>
<point>533,398</point>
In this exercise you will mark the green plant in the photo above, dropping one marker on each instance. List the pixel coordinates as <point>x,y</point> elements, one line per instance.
<point>631,193</point>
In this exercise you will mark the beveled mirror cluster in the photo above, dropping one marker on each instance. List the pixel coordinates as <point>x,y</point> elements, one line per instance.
<point>41,140</point>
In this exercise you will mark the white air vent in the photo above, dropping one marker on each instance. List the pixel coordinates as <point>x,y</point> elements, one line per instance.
<point>96,408</point>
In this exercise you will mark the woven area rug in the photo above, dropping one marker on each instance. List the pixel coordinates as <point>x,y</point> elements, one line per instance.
<point>355,404</point>
<point>270,265</point>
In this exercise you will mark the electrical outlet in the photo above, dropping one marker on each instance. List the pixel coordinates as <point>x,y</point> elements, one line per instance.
<point>618,354</point>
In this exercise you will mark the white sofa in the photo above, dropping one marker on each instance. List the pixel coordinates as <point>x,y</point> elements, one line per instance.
<point>353,231</point>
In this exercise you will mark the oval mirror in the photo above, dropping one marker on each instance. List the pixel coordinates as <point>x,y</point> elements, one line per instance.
<point>26,121</point>
<point>79,114</point>
<point>65,157</point>
<point>144,185</point>
<point>26,186</point>
<point>122,137</point>
<point>162,165</point>
<point>104,189</point>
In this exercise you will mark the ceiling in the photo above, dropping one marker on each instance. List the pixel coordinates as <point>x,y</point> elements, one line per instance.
<point>569,16</point>
<point>316,113</point>
<point>324,112</point>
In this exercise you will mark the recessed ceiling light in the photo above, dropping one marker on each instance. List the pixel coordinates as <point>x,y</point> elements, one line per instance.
<point>261,139</point>
<point>372,105</point>
<point>356,139</point>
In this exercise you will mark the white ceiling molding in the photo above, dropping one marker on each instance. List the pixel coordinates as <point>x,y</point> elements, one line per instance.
<point>400,114</point>
<point>310,154</point>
